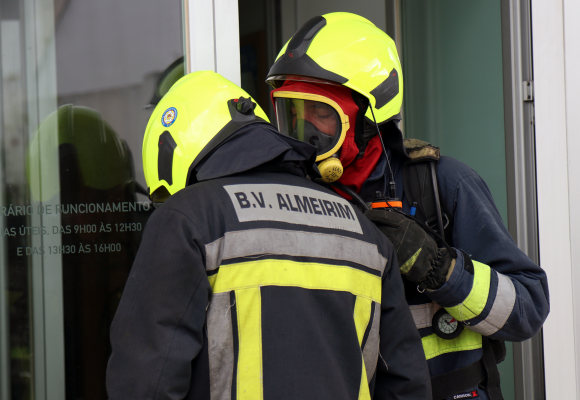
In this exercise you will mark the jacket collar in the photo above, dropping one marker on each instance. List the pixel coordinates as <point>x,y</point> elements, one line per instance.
<point>257,145</point>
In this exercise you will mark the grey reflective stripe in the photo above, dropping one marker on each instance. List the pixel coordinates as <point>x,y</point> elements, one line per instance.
<point>254,242</point>
<point>220,347</point>
<point>501,309</point>
<point>214,254</point>
<point>371,350</point>
<point>292,204</point>
<point>423,314</point>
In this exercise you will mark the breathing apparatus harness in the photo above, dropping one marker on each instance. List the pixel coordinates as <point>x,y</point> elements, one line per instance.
<point>430,212</point>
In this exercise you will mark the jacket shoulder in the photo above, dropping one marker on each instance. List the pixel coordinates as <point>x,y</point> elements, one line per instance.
<point>452,171</point>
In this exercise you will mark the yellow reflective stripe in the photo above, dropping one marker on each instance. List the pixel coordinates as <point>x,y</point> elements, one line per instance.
<point>475,301</point>
<point>249,313</point>
<point>409,263</point>
<point>364,392</point>
<point>434,346</point>
<point>362,315</point>
<point>299,274</point>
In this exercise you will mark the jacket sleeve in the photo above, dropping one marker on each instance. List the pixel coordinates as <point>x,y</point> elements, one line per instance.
<point>158,328</point>
<point>402,371</point>
<point>501,293</point>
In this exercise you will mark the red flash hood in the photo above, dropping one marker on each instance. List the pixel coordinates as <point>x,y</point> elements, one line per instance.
<point>356,171</point>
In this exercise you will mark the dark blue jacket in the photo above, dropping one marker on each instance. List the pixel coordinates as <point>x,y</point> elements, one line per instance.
<point>263,284</point>
<point>514,289</point>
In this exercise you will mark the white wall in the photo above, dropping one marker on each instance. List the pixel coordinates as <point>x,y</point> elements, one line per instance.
<point>571,13</point>
<point>555,34</point>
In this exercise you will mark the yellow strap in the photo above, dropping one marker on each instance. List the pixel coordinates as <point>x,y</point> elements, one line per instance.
<point>364,392</point>
<point>298,274</point>
<point>249,314</point>
<point>475,301</point>
<point>434,346</point>
<point>362,316</point>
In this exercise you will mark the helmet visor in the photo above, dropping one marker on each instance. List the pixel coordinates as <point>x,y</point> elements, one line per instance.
<point>315,122</point>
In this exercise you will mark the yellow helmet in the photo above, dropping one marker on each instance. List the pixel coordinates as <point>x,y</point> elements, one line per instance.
<point>350,50</point>
<point>79,136</point>
<point>198,113</point>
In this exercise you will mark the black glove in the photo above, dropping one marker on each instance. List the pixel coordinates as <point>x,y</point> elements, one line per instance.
<point>420,260</point>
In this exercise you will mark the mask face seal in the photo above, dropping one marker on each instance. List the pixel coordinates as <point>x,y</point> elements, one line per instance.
<point>313,119</point>
<point>316,120</point>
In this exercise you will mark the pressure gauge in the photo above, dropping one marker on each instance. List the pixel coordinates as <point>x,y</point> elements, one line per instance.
<point>445,326</point>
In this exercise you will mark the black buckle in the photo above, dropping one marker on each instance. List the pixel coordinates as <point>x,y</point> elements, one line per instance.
<point>433,224</point>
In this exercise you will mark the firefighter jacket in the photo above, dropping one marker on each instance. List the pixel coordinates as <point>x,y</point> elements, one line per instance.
<point>264,285</point>
<point>506,298</point>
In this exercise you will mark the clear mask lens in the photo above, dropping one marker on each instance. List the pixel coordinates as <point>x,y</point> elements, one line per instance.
<point>309,121</point>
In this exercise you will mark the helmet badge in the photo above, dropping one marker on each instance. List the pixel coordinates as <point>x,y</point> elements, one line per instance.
<point>169,117</point>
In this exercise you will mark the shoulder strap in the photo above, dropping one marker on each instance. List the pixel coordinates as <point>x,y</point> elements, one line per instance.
<point>421,186</point>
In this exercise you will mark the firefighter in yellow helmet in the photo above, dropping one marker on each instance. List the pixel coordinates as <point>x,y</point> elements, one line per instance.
<point>338,85</point>
<point>348,82</point>
<point>252,281</point>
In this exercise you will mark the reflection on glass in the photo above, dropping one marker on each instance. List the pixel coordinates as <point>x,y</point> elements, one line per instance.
<point>100,225</point>
<point>76,76</point>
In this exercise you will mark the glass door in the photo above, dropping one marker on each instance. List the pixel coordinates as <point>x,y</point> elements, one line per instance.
<point>76,78</point>
<point>454,74</point>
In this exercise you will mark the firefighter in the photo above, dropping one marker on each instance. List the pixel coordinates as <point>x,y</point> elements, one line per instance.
<point>338,83</point>
<point>252,281</point>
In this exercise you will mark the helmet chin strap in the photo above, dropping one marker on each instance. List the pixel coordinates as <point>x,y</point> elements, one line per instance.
<point>392,189</point>
<point>331,168</point>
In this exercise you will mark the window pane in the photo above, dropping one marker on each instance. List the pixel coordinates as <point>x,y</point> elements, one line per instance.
<point>76,77</point>
<point>452,58</point>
